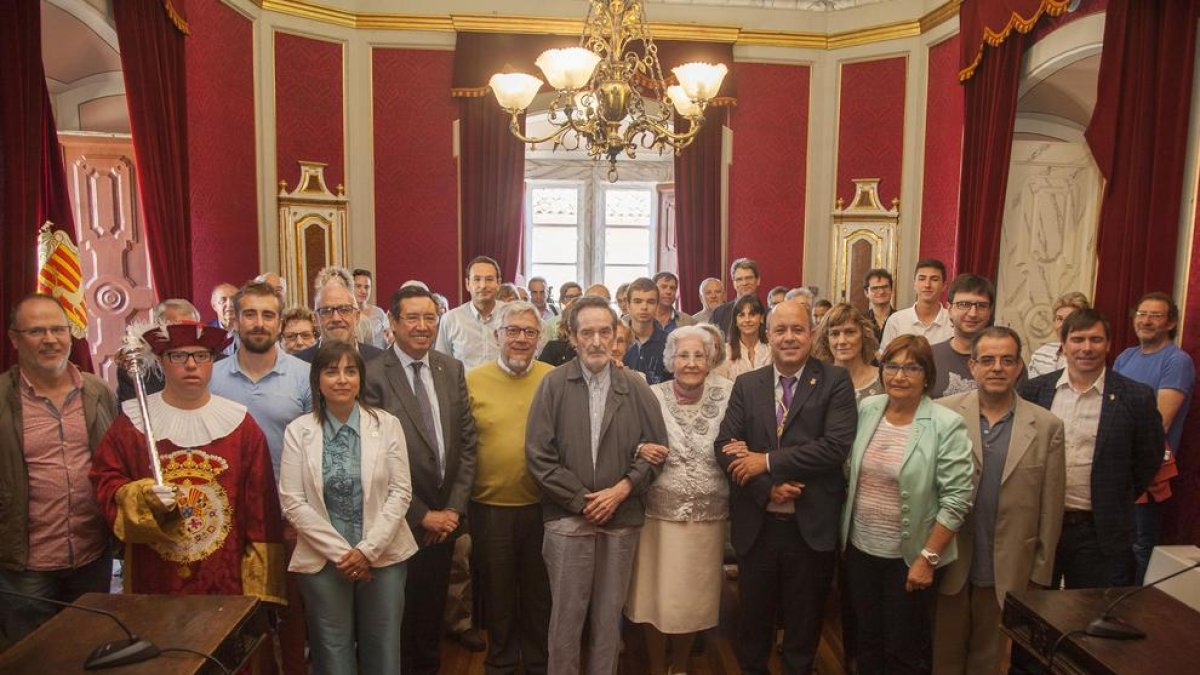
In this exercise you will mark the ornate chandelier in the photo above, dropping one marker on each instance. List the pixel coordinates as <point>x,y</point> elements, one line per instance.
<point>602,86</point>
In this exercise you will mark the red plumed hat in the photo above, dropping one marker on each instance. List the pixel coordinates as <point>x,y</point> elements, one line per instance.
<point>186,334</point>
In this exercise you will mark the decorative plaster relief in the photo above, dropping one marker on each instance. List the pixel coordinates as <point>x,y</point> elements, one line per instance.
<point>1048,244</point>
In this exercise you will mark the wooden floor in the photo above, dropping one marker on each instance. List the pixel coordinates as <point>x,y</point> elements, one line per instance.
<point>716,658</point>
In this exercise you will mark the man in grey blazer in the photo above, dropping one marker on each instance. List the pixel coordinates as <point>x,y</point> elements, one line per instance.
<point>1020,474</point>
<point>586,424</point>
<point>427,391</point>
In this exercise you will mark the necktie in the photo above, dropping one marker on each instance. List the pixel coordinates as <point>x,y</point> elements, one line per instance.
<point>427,415</point>
<point>788,384</point>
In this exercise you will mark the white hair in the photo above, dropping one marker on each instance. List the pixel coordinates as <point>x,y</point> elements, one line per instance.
<point>508,309</point>
<point>689,333</point>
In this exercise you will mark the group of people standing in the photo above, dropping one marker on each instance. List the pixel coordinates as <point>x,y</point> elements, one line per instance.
<point>602,483</point>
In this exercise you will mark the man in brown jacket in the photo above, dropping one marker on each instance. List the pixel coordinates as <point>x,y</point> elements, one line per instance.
<point>1020,477</point>
<point>586,424</point>
<point>53,539</point>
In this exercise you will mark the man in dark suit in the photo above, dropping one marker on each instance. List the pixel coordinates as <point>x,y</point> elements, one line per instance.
<point>337,310</point>
<point>784,439</point>
<point>744,275</point>
<point>427,391</point>
<point>1114,447</point>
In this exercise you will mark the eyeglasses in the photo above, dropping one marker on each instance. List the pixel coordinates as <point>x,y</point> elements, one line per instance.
<point>1157,316</point>
<point>967,305</point>
<point>514,332</point>
<point>909,369</point>
<point>41,331</point>
<point>302,335</point>
<point>343,310</point>
<point>180,358</point>
<point>990,361</point>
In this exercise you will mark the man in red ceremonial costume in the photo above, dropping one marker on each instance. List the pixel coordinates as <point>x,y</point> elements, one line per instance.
<point>214,526</point>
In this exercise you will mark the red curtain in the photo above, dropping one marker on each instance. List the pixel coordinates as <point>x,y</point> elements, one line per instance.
<point>151,35</point>
<point>1138,136</point>
<point>698,206</point>
<point>34,188</point>
<point>492,184</point>
<point>988,23</point>
<point>989,112</point>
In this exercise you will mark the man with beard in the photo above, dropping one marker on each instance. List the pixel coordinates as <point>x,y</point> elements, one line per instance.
<point>338,313</point>
<point>274,387</point>
<point>506,515</point>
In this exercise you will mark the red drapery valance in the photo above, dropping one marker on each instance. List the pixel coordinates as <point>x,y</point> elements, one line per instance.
<point>991,22</point>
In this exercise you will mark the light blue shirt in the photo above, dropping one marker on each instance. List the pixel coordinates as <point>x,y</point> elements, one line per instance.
<point>279,397</point>
<point>468,336</point>
<point>341,471</point>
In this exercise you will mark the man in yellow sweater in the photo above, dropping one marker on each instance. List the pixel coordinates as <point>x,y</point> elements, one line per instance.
<point>505,511</point>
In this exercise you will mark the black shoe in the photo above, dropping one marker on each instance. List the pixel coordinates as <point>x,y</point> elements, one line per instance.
<point>471,640</point>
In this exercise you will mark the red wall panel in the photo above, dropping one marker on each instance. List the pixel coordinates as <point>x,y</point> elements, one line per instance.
<point>416,179</point>
<point>943,154</point>
<point>221,140</point>
<point>871,126</point>
<point>768,176</point>
<point>308,107</point>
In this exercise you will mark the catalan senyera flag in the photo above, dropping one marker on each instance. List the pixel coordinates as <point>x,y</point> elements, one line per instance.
<point>60,276</point>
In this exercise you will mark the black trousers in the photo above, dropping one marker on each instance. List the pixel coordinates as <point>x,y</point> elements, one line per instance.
<point>895,626</point>
<point>514,586</point>
<point>781,576</point>
<point>424,605</point>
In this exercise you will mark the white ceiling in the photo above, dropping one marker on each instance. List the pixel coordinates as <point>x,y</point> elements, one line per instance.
<point>83,66</point>
<point>1069,94</point>
<point>809,5</point>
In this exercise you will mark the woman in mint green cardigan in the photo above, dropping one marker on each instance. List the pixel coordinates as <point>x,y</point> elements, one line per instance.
<point>910,489</point>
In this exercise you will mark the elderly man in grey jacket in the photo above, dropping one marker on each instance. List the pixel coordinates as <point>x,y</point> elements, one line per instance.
<point>587,422</point>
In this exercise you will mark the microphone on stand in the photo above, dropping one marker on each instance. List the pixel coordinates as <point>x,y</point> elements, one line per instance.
<point>110,654</point>
<point>1109,627</point>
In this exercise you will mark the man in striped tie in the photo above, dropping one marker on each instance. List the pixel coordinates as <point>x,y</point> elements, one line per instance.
<point>785,436</point>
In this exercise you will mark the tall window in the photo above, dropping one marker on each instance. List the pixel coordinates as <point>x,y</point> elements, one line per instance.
<point>590,232</point>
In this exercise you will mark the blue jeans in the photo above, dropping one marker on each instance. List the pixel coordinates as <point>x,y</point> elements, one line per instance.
<point>342,614</point>
<point>1148,520</point>
<point>19,617</point>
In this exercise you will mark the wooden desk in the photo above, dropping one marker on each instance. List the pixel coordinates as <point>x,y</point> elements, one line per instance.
<point>228,627</point>
<point>1035,619</point>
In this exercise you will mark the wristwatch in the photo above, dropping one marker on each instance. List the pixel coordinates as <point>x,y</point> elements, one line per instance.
<point>931,557</point>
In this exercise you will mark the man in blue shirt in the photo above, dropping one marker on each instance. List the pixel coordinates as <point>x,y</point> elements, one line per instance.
<point>1158,362</point>
<point>645,352</point>
<point>274,387</point>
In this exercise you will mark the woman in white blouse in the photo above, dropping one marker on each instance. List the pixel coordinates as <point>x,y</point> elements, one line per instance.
<point>344,484</point>
<point>675,588</point>
<point>747,347</point>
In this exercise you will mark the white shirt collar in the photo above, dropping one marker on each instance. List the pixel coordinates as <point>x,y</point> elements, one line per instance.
<point>1064,380</point>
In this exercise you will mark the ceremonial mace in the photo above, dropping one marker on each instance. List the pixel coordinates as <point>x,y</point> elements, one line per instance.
<point>137,358</point>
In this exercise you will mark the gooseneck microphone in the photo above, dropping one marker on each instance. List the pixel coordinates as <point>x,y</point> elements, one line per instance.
<point>1109,627</point>
<point>110,654</point>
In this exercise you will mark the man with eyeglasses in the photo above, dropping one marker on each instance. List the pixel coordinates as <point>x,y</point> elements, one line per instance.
<point>1019,451</point>
<point>274,387</point>
<point>878,286</point>
<point>427,391</point>
<point>505,512</point>
<point>972,302</point>
<point>172,310</point>
<point>586,423</point>
<point>468,331</point>
<point>1159,363</point>
<point>337,311</point>
<point>927,316</point>
<point>54,543</point>
<point>213,525</point>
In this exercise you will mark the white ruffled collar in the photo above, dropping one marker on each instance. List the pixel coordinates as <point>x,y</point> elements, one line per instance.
<point>188,428</point>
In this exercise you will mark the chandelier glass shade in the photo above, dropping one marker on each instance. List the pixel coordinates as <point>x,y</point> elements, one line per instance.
<point>601,89</point>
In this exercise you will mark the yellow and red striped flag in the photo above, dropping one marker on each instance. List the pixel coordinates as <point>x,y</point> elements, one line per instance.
<point>61,276</point>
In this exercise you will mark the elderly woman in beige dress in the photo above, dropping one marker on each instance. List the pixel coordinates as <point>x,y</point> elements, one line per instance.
<point>676,586</point>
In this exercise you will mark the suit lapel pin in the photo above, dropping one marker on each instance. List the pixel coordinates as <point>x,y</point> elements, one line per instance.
<point>1112,397</point>
<point>812,381</point>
